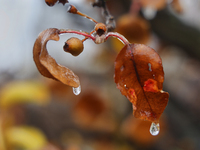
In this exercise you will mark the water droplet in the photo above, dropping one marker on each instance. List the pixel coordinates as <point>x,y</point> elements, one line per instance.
<point>154,129</point>
<point>77,90</point>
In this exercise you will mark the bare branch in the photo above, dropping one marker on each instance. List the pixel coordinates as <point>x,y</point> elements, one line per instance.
<point>110,22</point>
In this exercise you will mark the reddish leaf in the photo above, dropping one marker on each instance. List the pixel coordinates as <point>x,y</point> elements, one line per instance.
<point>139,76</point>
<point>47,65</point>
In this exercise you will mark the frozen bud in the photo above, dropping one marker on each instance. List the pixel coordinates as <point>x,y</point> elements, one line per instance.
<point>100,28</point>
<point>72,9</point>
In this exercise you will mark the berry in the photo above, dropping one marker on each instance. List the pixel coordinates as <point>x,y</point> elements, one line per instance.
<point>100,28</point>
<point>73,46</point>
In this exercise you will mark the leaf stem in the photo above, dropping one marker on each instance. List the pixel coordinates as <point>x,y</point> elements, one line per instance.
<point>77,32</point>
<point>72,9</point>
<point>118,36</point>
<point>88,35</point>
<point>84,15</point>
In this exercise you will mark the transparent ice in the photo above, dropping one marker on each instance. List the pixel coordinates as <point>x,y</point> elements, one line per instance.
<point>154,129</point>
<point>77,90</point>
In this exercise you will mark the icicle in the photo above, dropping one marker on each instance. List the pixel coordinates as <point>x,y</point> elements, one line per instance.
<point>77,90</point>
<point>154,129</point>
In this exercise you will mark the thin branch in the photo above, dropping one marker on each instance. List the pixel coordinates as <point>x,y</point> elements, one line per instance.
<point>110,22</point>
<point>77,32</point>
<point>72,9</point>
<point>118,36</point>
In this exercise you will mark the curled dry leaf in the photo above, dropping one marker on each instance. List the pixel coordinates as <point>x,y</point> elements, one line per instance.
<point>139,76</point>
<point>47,65</point>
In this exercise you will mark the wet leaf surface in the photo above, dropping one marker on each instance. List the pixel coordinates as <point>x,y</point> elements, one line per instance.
<point>47,65</point>
<point>139,76</point>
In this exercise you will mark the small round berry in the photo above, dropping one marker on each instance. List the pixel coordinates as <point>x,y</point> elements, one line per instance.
<point>100,28</point>
<point>73,46</point>
<point>51,2</point>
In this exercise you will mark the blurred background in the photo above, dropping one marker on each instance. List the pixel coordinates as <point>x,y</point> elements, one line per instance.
<point>37,113</point>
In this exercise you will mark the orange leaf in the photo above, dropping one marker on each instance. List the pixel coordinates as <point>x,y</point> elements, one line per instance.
<point>47,65</point>
<point>139,76</point>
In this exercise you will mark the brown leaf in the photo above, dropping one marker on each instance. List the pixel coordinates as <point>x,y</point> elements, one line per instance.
<point>47,65</point>
<point>139,76</point>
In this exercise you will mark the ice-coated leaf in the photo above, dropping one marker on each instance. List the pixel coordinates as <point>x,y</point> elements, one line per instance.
<point>139,76</point>
<point>47,65</point>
